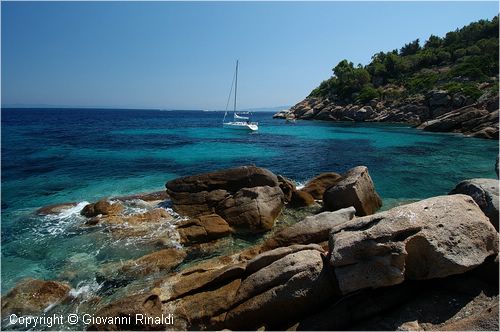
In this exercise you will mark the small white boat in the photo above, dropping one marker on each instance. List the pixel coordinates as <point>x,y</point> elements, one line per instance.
<point>239,122</point>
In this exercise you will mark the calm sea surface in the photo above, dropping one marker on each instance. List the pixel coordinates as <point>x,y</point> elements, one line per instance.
<point>64,155</point>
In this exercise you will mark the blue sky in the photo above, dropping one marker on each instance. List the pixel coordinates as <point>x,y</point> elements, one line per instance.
<point>181,55</point>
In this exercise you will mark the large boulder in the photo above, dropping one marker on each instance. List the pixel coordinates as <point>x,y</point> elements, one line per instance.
<point>433,238</point>
<point>248,197</point>
<point>313,229</point>
<point>355,189</point>
<point>485,194</point>
<point>252,209</point>
<point>291,286</point>
<point>203,229</point>
<point>317,186</point>
<point>33,296</point>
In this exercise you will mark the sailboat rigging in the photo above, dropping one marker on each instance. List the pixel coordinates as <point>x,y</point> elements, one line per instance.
<point>241,120</point>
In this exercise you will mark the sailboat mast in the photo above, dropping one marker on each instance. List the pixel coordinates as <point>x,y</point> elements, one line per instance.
<point>235,86</point>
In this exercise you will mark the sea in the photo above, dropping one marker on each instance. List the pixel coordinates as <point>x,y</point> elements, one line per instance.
<point>52,156</point>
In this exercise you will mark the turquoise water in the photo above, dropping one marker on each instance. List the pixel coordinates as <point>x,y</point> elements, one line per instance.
<point>57,156</point>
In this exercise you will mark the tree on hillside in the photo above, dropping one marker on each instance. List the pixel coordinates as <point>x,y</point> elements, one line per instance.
<point>410,48</point>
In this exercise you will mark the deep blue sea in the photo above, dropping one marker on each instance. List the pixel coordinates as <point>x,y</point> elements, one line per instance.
<point>80,155</point>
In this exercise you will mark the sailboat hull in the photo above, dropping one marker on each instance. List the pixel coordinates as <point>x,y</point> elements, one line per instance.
<point>242,126</point>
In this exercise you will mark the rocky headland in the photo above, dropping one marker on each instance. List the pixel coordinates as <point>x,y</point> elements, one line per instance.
<point>339,265</point>
<point>448,84</point>
<point>437,111</point>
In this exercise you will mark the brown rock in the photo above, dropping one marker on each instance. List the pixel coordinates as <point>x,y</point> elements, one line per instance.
<point>152,216</point>
<point>289,287</point>
<point>355,189</point>
<point>252,209</point>
<point>287,187</point>
<point>203,229</point>
<point>433,238</point>
<point>32,296</point>
<point>102,207</point>
<point>313,229</point>
<point>248,198</point>
<point>147,197</point>
<point>163,260</point>
<point>54,208</point>
<point>123,313</point>
<point>317,186</point>
<point>198,311</point>
<point>301,199</point>
<point>486,320</point>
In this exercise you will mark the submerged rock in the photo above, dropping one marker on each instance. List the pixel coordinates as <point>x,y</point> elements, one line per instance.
<point>163,260</point>
<point>33,296</point>
<point>485,194</point>
<point>354,189</point>
<point>433,238</point>
<point>248,198</point>
<point>54,208</point>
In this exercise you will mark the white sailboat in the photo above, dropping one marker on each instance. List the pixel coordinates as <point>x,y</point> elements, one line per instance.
<point>241,120</point>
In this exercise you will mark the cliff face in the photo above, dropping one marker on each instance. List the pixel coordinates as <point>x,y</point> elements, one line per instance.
<point>436,111</point>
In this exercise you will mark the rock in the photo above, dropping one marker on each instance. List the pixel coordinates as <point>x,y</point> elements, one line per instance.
<point>485,194</point>
<point>486,320</point>
<point>123,313</point>
<point>317,186</point>
<point>301,199</point>
<point>54,208</point>
<point>313,229</point>
<point>287,187</point>
<point>291,286</point>
<point>200,310</point>
<point>205,228</point>
<point>433,238</point>
<point>252,209</point>
<point>163,260</point>
<point>454,120</point>
<point>147,197</point>
<point>283,114</point>
<point>198,279</point>
<point>248,198</point>
<point>152,216</point>
<point>32,296</point>
<point>102,207</point>
<point>438,98</point>
<point>266,258</point>
<point>355,189</point>
<point>350,310</point>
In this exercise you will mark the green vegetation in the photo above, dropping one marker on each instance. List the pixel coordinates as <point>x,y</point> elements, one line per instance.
<point>457,62</point>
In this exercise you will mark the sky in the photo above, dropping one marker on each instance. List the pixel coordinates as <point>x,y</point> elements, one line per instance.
<point>181,55</point>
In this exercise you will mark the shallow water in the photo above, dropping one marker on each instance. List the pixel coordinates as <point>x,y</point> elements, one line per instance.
<point>57,156</point>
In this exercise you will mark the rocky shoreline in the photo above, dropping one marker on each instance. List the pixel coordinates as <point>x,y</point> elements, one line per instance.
<point>437,111</point>
<point>428,265</point>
